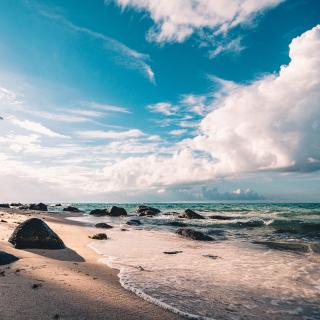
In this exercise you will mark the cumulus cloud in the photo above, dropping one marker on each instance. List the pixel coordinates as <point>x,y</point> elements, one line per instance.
<point>272,123</point>
<point>177,20</point>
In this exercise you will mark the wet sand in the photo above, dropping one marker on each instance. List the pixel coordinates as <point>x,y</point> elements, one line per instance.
<point>64,284</point>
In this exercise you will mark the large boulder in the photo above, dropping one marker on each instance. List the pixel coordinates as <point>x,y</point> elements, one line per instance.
<point>193,234</point>
<point>40,207</point>
<point>4,205</point>
<point>147,211</point>
<point>117,212</point>
<point>71,209</point>
<point>35,233</point>
<point>6,258</point>
<point>99,212</point>
<point>190,214</point>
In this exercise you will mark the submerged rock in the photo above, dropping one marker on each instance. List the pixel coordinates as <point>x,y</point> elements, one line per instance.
<point>177,224</point>
<point>103,225</point>
<point>134,222</point>
<point>117,212</point>
<point>71,209</point>
<point>6,258</point>
<point>147,211</point>
<point>190,214</point>
<point>36,234</point>
<point>99,236</point>
<point>4,205</point>
<point>218,217</point>
<point>40,207</point>
<point>287,246</point>
<point>99,212</point>
<point>193,234</point>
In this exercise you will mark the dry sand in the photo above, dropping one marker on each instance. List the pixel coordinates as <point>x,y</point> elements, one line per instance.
<point>71,283</point>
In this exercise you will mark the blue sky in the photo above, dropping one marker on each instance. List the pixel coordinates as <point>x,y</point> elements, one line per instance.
<point>131,100</point>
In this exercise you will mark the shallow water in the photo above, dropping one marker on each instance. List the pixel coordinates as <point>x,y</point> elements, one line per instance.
<point>232,277</point>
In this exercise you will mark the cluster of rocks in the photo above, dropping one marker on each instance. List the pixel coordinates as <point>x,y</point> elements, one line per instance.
<point>146,211</point>
<point>114,211</point>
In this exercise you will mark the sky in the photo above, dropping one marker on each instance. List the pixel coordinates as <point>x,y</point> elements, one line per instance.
<point>157,100</point>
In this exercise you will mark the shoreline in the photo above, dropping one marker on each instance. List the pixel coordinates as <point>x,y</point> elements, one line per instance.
<point>71,283</point>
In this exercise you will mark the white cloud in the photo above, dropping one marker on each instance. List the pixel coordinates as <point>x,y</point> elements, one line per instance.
<point>35,127</point>
<point>176,20</point>
<point>233,46</point>
<point>9,97</point>
<point>177,132</point>
<point>86,113</point>
<point>163,107</point>
<point>115,135</point>
<point>273,122</point>
<point>108,107</point>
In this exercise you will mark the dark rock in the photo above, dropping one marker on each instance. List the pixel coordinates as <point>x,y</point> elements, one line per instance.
<point>4,221</point>
<point>315,247</point>
<point>147,211</point>
<point>189,214</point>
<point>36,285</point>
<point>193,234</point>
<point>40,207</point>
<point>286,246</point>
<point>176,224</point>
<point>172,252</point>
<point>99,212</point>
<point>117,211</point>
<point>16,204</point>
<point>58,205</point>
<point>71,209</point>
<point>217,217</point>
<point>250,224</point>
<point>103,225</point>
<point>99,236</point>
<point>24,207</point>
<point>134,222</point>
<point>6,258</point>
<point>36,234</point>
<point>210,256</point>
<point>4,205</point>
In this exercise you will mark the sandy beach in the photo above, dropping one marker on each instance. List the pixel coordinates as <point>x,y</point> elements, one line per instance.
<point>64,284</point>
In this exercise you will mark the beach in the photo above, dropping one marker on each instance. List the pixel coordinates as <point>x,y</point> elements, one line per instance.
<point>71,283</point>
<point>255,261</point>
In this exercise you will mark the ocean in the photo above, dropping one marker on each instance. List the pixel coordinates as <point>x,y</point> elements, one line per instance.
<point>264,262</point>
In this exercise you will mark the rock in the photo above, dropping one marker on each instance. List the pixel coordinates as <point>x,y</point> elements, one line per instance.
<point>40,207</point>
<point>36,234</point>
<point>315,247</point>
<point>6,258</point>
<point>24,207</point>
<point>193,234</point>
<point>103,225</point>
<point>117,212</point>
<point>4,221</point>
<point>147,211</point>
<point>71,209</point>
<point>217,217</point>
<point>249,224</point>
<point>189,214</point>
<point>99,212</point>
<point>134,222</point>
<point>4,205</point>
<point>99,236</point>
<point>177,224</point>
<point>210,256</point>
<point>172,252</point>
<point>287,246</point>
<point>16,204</point>
<point>58,205</point>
